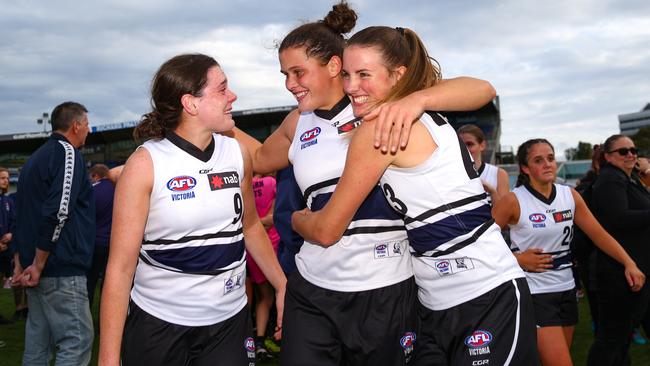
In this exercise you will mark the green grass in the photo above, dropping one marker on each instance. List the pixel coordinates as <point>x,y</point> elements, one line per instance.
<point>13,335</point>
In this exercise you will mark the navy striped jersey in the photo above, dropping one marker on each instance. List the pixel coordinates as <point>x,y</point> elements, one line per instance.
<point>459,252</point>
<point>373,252</point>
<point>192,260</point>
<point>547,224</point>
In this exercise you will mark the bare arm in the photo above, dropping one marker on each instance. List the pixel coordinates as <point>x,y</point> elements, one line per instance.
<point>273,154</point>
<point>394,119</point>
<point>131,207</point>
<point>257,241</point>
<point>267,220</point>
<point>506,211</point>
<point>503,183</point>
<point>364,166</point>
<point>601,238</point>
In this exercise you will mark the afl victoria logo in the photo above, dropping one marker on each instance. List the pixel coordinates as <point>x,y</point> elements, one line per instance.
<point>480,338</point>
<point>310,135</point>
<point>181,183</point>
<point>537,217</point>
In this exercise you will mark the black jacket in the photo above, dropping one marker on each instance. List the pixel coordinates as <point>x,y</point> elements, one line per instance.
<point>622,206</point>
<point>55,210</point>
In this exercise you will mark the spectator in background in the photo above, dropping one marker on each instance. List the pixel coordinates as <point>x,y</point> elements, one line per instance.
<point>54,235</point>
<point>7,218</point>
<point>103,191</point>
<point>264,188</point>
<point>622,206</point>
<point>643,171</point>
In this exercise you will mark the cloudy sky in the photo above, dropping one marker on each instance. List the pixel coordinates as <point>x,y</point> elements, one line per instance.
<point>564,70</point>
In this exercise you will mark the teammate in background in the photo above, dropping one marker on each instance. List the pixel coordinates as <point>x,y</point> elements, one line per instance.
<point>264,191</point>
<point>541,215</point>
<point>183,206</point>
<point>495,179</point>
<point>451,234</point>
<point>347,304</point>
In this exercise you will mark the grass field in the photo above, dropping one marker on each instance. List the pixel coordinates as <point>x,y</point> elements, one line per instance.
<point>13,336</point>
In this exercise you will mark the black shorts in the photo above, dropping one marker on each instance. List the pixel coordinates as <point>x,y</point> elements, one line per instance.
<point>151,341</point>
<point>324,328</point>
<point>556,309</point>
<point>496,328</point>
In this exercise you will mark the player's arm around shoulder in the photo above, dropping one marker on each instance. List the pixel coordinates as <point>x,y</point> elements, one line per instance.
<point>131,207</point>
<point>272,155</point>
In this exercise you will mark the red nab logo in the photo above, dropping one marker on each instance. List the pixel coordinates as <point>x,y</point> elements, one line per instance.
<point>563,216</point>
<point>223,180</point>
<point>537,217</point>
<point>181,183</point>
<point>310,135</point>
<point>480,338</point>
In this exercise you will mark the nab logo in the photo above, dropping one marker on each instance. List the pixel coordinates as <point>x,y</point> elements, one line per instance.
<point>181,183</point>
<point>310,135</point>
<point>249,344</point>
<point>537,217</point>
<point>480,338</point>
<point>563,216</point>
<point>223,180</point>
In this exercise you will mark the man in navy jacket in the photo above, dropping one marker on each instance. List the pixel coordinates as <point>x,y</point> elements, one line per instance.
<point>54,241</point>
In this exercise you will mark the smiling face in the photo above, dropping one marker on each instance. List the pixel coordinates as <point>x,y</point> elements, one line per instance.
<point>366,80</point>
<point>312,83</point>
<point>541,166</point>
<point>624,162</point>
<point>214,106</point>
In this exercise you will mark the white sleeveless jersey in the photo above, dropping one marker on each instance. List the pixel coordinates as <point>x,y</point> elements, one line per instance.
<point>546,224</point>
<point>488,174</point>
<point>373,251</point>
<point>192,264</point>
<point>459,253</point>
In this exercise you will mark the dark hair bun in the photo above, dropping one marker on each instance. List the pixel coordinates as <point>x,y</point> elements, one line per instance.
<point>341,18</point>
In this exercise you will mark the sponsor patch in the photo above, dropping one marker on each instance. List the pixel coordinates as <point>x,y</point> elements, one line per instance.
<point>390,249</point>
<point>181,183</point>
<point>233,283</point>
<point>223,180</point>
<point>562,216</point>
<point>349,126</point>
<point>477,343</point>
<point>446,267</point>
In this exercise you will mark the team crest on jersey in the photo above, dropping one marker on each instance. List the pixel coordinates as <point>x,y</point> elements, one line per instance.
<point>537,219</point>
<point>390,249</point>
<point>562,216</point>
<point>407,342</point>
<point>308,138</point>
<point>478,343</point>
<point>182,186</point>
<point>233,283</point>
<point>447,267</point>
<point>223,180</point>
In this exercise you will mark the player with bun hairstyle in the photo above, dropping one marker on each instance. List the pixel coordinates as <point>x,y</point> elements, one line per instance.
<point>474,302</point>
<point>353,303</point>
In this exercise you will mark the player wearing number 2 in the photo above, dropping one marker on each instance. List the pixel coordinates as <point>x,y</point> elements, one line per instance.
<point>541,215</point>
